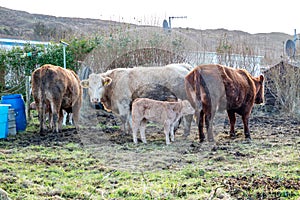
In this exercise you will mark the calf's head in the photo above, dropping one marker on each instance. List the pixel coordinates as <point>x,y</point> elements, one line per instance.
<point>187,108</point>
<point>96,85</point>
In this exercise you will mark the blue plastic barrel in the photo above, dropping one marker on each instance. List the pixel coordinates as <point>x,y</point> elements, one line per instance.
<point>16,101</point>
<point>4,120</point>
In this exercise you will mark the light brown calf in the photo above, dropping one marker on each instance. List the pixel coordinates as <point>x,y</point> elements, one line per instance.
<point>167,113</point>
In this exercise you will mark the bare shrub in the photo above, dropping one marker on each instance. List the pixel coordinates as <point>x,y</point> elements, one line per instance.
<point>283,82</point>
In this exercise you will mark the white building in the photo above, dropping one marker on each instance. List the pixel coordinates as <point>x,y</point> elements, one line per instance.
<point>10,43</point>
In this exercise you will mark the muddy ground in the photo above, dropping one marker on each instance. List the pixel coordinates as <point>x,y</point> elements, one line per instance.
<point>100,134</point>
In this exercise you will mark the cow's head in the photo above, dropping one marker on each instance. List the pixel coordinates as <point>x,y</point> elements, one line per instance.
<point>259,84</point>
<point>96,85</point>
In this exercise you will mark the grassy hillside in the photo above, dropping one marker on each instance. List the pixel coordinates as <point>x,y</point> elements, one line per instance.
<point>23,25</point>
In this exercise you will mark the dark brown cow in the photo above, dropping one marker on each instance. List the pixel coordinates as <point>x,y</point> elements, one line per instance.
<point>60,88</point>
<point>212,88</point>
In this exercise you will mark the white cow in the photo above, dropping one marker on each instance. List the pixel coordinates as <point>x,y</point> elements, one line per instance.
<point>114,88</point>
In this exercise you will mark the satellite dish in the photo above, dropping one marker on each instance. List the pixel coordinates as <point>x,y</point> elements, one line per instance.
<point>290,48</point>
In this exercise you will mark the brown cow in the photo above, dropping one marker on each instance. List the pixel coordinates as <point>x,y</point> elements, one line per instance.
<point>60,88</point>
<point>167,113</point>
<point>212,88</point>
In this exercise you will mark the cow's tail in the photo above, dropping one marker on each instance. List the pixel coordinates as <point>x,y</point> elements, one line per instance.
<point>191,90</point>
<point>202,90</point>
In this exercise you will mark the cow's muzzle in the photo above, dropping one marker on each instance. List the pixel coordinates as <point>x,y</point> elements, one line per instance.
<point>95,100</point>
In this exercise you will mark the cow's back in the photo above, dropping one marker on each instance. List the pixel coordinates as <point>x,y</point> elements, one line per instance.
<point>170,77</point>
<point>205,85</point>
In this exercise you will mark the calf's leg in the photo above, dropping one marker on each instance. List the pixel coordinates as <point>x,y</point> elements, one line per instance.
<point>167,128</point>
<point>136,124</point>
<point>172,127</point>
<point>142,131</point>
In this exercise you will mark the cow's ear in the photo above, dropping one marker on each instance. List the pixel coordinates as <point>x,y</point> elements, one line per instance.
<point>261,78</point>
<point>107,81</point>
<point>84,83</point>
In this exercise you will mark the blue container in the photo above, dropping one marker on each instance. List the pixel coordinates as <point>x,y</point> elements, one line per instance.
<point>4,120</point>
<point>17,103</point>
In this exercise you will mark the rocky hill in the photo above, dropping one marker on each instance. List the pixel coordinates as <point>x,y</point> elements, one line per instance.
<point>23,25</point>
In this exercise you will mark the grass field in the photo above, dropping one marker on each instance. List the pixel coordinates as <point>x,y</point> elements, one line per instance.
<point>100,163</point>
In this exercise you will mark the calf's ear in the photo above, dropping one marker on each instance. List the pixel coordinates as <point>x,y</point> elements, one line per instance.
<point>106,81</point>
<point>84,83</point>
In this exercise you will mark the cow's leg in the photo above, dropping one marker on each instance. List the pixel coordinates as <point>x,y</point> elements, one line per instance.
<point>65,115</point>
<point>200,122</point>
<point>125,116</point>
<point>49,119</point>
<point>232,119</point>
<point>142,131</point>
<point>60,119</point>
<point>55,107</point>
<point>187,121</point>
<point>167,132</point>
<point>41,112</point>
<point>126,123</point>
<point>245,119</point>
<point>75,114</point>
<point>209,117</point>
<point>70,118</point>
<point>129,123</point>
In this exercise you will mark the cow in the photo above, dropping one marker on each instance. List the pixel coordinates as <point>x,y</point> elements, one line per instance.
<point>212,87</point>
<point>164,112</point>
<point>60,89</point>
<point>154,91</point>
<point>114,88</point>
<point>67,116</point>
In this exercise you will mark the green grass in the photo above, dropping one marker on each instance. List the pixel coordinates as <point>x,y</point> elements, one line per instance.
<point>70,171</point>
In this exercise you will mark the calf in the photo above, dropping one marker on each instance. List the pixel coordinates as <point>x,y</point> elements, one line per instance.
<point>167,113</point>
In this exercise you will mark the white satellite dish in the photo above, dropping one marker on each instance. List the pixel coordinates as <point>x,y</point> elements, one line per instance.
<point>290,48</point>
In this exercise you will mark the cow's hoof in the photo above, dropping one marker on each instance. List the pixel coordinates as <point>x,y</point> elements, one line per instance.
<point>185,135</point>
<point>202,140</point>
<point>42,133</point>
<point>211,140</point>
<point>247,136</point>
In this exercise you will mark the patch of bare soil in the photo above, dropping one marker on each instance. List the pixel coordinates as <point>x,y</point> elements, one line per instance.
<point>100,136</point>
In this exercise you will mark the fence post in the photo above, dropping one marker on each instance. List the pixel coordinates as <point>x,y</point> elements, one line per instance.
<point>28,93</point>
